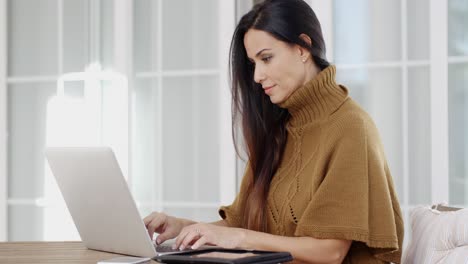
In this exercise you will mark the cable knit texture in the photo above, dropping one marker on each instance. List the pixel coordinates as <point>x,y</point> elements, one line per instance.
<point>334,181</point>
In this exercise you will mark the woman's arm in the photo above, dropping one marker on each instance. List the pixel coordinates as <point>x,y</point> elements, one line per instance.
<point>187,222</point>
<point>220,223</point>
<point>168,226</point>
<point>303,249</point>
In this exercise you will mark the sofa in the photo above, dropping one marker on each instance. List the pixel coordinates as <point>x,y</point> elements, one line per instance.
<point>439,234</point>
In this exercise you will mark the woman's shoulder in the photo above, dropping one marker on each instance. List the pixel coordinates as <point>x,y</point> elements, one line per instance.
<point>350,119</point>
<point>350,113</point>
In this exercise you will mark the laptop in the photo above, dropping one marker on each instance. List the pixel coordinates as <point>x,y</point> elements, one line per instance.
<point>100,201</point>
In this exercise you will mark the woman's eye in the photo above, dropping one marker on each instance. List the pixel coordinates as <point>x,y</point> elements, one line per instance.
<point>266,59</point>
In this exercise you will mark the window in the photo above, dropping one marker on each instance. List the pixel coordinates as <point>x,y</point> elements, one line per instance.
<point>154,74</point>
<point>458,100</point>
<point>392,55</point>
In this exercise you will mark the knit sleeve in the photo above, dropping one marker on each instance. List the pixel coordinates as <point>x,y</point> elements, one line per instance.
<point>356,199</point>
<point>232,213</point>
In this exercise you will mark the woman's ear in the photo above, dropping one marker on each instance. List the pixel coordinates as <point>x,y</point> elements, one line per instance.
<point>304,53</point>
<point>306,39</point>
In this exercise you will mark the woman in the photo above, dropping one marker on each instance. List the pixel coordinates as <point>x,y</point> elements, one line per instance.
<point>317,183</point>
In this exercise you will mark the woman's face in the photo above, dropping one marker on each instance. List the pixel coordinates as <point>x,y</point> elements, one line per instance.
<point>279,66</point>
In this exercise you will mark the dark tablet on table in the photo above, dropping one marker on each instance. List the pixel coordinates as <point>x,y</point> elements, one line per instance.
<point>227,256</point>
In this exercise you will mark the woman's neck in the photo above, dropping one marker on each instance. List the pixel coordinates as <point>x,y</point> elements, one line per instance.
<point>311,71</point>
<point>317,99</point>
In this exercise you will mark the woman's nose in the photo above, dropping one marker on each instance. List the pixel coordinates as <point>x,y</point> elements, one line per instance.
<point>259,75</point>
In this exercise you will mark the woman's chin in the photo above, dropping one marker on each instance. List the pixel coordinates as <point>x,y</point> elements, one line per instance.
<point>276,100</point>
<point>279,98</point>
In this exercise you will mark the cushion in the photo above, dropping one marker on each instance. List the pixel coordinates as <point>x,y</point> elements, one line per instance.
<point>438,235</point>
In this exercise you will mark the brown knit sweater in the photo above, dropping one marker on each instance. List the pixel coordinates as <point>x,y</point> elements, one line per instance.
<point>334,181</point>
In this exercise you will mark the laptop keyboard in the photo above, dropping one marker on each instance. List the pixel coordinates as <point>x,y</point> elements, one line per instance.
<point>164,248</point>
<point>167,248</point>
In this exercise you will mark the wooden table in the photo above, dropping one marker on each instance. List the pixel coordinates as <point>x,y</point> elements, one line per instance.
<point>51,252</point>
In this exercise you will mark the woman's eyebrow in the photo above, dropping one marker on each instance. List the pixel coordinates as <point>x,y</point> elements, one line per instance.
<point>258,53</point>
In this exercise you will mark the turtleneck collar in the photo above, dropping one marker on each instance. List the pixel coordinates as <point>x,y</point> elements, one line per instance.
<point>316,99</point>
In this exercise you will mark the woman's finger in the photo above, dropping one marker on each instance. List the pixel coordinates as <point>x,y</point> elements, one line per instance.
<point>194,234</point>
<point>200,242</point>
<point>164,236</point>
<point>180,238</point>
<point>168,233</point>
<point>151,216</point>
<point>155,225</point>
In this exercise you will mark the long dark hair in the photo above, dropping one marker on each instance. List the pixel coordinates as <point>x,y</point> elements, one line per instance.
<point>263,124</point>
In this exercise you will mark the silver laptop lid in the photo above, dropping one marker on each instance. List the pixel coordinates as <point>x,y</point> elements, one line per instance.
<point>99,200</point>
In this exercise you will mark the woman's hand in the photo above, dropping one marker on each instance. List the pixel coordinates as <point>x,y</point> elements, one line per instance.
<point>167,226</point>
<point>202,233</point>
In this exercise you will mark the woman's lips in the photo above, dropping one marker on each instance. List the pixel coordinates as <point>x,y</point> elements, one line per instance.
<point>268,89</point>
